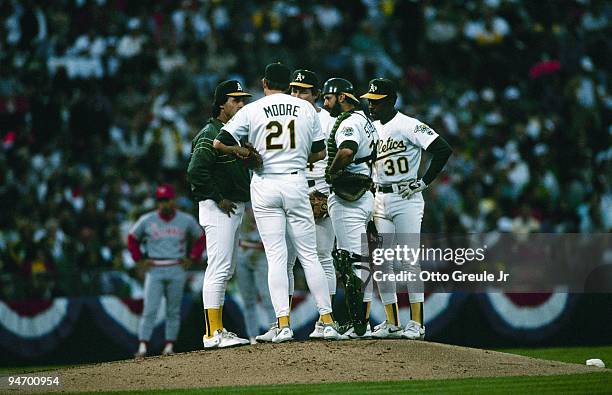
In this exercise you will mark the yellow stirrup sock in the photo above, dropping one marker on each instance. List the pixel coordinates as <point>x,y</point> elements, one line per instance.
<point>416,312</point>
<point>212,318</point>
<point>368,307</point>
<point>392,314</point>
<point>283,321</point>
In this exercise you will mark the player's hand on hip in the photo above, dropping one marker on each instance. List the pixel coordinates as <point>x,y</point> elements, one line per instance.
<point>410,187</point>
<point>227,206</point>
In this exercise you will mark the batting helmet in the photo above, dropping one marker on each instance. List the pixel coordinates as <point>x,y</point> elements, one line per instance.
<point>340,85</point>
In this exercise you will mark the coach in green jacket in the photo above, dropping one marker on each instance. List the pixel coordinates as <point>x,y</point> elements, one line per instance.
<point>220,185</point>
<point>211,174</point>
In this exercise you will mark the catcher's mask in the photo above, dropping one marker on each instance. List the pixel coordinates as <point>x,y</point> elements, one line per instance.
<point>337,86</point>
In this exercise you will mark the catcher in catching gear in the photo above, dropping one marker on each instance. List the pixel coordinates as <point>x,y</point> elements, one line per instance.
<point>351,148</point>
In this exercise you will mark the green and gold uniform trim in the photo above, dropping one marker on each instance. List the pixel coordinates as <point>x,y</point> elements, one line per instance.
<point>332,148</point>
<point>213,175</point>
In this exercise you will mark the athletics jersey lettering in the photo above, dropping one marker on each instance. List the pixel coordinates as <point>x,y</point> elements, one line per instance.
<point>389,147</point>
<point>402,140</point>
<point>282,129</point>
<point>276,110</point>
<point>356,127</point>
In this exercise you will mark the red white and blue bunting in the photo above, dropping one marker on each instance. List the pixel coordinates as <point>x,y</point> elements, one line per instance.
<point>528,317</point>
<point>31,329</point>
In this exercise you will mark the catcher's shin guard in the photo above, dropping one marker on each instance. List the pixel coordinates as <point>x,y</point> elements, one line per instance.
<point>345,263</point>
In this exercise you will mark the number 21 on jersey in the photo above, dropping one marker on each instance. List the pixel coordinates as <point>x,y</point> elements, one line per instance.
<point>275,130</point>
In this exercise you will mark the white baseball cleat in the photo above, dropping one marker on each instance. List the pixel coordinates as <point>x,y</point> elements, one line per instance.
<point>386,330</point>
<point>269,335</point>
<point>223,339</point>
<point>283,335</point>
<point>331,332</point>
<point>213,341</point>
<point>229,339</point>
<point>168,350</point>
<point>252,340</point>
<point>142,351</point>
<point>414,331</point>
<point>317,333</point>
<point>352,335</point>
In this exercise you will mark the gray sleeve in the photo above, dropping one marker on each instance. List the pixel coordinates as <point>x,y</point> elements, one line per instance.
<point>138,229</point>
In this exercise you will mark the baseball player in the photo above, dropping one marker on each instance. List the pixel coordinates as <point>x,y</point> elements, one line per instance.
<point>252,275</point>
<point>164,235</point>
<point>351,149</point>
<point>220,185</point>
<point>287,133</point>
<point>399,202</point>
<point>305,85</point>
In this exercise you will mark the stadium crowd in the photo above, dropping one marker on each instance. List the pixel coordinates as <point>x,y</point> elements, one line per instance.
<point>99,100</point>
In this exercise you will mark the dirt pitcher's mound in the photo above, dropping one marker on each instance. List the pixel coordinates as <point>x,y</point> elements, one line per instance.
<point>307,362</point>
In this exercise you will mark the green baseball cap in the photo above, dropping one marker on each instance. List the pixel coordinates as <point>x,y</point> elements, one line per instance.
<point>304,79</point>
<point>379,89</point>
<point>278,73</point>
<point>229,88</point>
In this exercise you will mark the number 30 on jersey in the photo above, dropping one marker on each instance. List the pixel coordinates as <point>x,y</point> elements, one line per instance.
<point>396,166</point>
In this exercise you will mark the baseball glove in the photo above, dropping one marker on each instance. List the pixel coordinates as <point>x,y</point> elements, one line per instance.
<point>318,201</point>
<point>254,160</point>
<point>349,186</point>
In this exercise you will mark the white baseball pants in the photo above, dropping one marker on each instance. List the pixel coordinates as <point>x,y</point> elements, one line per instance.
<point>325,244</point>
<point>221,243</point>
<point>394,214</point>
<point>349,220</point>
<point>281,206</point>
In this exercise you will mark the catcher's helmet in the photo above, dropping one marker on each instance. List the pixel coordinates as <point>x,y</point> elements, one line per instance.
<point>339,85</point>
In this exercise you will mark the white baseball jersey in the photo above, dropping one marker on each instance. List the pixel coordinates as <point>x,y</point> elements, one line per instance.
<point>317,169</point>
<point>281,127</point>
<point>359,129</point>
<point>399,148</point>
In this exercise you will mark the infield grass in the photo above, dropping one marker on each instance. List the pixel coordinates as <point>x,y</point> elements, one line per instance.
<point>577,355</point>
<point>589,383</point>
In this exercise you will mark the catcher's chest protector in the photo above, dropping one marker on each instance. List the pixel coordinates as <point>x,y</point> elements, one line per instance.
<point>332,149</point>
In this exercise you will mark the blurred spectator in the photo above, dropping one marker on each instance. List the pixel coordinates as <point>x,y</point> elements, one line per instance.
<point>99,101</point>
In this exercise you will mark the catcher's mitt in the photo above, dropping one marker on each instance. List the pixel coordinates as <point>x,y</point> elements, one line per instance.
<point>318,201</point>
<point>349,186</point>
<point>254,160</point>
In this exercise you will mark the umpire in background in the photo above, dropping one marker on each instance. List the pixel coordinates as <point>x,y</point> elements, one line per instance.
<point>220,185</point>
